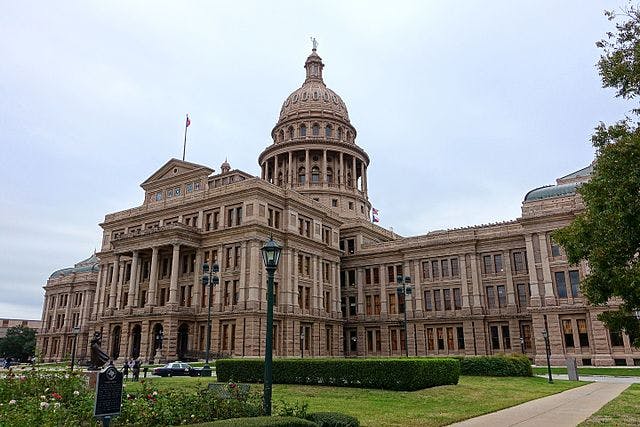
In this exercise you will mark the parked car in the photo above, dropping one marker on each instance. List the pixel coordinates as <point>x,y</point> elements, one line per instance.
<point>173,369</point>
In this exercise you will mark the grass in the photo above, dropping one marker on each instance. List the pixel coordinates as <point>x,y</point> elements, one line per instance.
<point>437,406</point>
<point>586,370</point>
<point>624,410</point>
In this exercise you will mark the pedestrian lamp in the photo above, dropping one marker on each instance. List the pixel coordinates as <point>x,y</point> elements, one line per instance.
<point>270,256</point>
<point>522,345</point>
<point>545,335</point>
<point>209,278</point>
<point>76,331</point>
<point>404,289</point>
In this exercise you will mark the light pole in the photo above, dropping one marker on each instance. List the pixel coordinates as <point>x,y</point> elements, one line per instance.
<point>209,278</point>
<point>545,335</point>
<point>302,341</point>
<point>270,256</point>
<point>76,331</point>
<point>404,289</point>
<point>522,345</point>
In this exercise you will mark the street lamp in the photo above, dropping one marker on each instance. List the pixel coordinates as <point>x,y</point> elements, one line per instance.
<point>302,341</point>
<point>270,256</point>
<point>76,331</point>
<point>211,279</point>
<point>522,345</point>
<point>404,289</point>
<point>545,335</point>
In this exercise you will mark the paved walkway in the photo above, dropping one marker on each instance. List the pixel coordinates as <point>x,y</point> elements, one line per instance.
<point>566,409</point>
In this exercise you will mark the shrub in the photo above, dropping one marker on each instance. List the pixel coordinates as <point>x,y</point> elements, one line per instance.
<point>261,422</point>
<point>393,374</point>
<point>496,366</point>
<point>333,419</point>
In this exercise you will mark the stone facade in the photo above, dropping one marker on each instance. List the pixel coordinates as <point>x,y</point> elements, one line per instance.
<point>478,290</point>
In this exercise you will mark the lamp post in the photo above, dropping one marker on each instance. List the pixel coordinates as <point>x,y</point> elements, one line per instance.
<point>522,345</point>
<point>545,335</point>
<point>76,331</point>
<point>270,256</point>
<point>404,289</point>
<point>302,341</point>
<point>209,278</point>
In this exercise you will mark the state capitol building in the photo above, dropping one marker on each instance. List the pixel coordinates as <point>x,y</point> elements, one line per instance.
<point>479,290</point>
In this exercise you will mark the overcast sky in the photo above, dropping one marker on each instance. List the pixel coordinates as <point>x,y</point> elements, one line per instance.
<point>463,107</point>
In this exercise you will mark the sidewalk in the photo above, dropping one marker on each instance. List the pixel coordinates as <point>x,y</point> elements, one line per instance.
<point>566,409</point>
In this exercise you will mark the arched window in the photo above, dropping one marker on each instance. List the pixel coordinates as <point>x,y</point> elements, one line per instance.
<point>330,175</point>
<point>290,133</point>
<point>280,182</point>
<point>348,136</point>
<point>315,174</point>
<point>328,132</point>
<point>303,130</point>
<point>340,134</point>
<point>349,181</point>
<point>315,129</point>
<point>281,135</point>
<point>301,175</point>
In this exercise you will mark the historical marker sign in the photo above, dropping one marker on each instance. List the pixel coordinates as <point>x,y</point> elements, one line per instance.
<point>108,393</point>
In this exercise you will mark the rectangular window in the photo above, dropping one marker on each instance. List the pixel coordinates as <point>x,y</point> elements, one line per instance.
<point>497,261</point>
<point>506,337</point>
<point>367,276</point>
<point>447,299</point>
<point>519,263</point>
<point>561,285</point>
<point>425,270</point>
<point>430,343</point>
<point>428,303</point>
<point>445,267</point>
<point>394,339</point>
<point>437,298</point>
<point>567,330</point>
<point>488,266</point>
<point>525,329</point>
<point>435,272</point>
<point>523,298</point>
<point>457,298</point>
<point>391,277</point>
<point>376,304</point>
<point>352,305</point>
<point>300,296</point>
<point>502,296</point>
<point>450,339</point>
<point>555,249</point>
<point>574,280</point>
<point>460,336</point>
<point>368,304</point>
<point>376,275</point>
<point>495,338</point>
<point>583,335</point>
<point>455,272</point>
<point>392,304</point>
<point>616,338</point>
<point>491,297</point>
<point>440,334</point>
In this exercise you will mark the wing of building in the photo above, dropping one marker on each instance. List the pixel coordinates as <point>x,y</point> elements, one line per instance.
<point>477,290</point>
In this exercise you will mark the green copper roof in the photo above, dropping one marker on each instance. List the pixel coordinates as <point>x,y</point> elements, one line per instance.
<point>84,266</point>
<point>550,191</point>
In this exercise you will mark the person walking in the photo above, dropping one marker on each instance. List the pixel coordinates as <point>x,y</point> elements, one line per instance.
<point>125,370</point>
<point>136,370</point>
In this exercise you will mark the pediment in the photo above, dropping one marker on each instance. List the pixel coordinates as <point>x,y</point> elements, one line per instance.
<point>175,168</point>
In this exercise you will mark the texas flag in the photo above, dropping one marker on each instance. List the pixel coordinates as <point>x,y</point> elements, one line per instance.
<point>375,219</point>
<point>374,211</point>
<point>188,121</point>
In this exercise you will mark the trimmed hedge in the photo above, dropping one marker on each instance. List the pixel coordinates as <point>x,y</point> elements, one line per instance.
<point>392,374</point>
<point>333,419</point>
<point>260,422</point>
<point>496,366</point>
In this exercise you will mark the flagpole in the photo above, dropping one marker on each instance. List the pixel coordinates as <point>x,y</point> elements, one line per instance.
<point>184,146</point>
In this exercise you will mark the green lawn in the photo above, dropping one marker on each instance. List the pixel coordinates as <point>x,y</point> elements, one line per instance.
<point>586,370</point>
<point>437,406</point>
<point>624,410</point>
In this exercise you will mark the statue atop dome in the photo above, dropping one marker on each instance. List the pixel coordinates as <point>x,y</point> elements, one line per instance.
<point>314,42</point>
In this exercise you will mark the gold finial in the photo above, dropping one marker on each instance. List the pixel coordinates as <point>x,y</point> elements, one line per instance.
<point>314,42</point>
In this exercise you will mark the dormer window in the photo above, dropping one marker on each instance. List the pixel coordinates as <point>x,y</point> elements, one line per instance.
<point>315,129</point>
<point>189,187</point>
<point>158,196</point>
<point>328,132</point>
<point>196,185</point>
<point>303,130</point>
<point>169,193</point>
<point>177,191</point>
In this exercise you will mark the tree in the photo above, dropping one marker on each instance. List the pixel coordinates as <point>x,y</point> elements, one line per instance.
<point>607,233</point>
<point>19,344</point>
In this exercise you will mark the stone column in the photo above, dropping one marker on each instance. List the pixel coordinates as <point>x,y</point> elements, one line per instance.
<point>383,292</point>
<point>533,277</point>
<point>417,288</point>
<point>133,281</point>
<point>275,169</point>
<point>354,173</point>
<point>242,291</point>
<point>175,269</point>
<point>324,167</point>
<point>153,277</point>
<point>200,220</point>
<point>197,282</point>
<point>96,300</point>
<point>263,170</point>
<point>476,281</point>
<point>84,319</point>
<point>363,181</point>
<point>464,282</point>
<point>307,169</point>
<point>360,309</point>
<point>120,285</point>
<point>290,172</point>
<point>341,175</point>
<point>114,282</point>
<point>364,178</point>
<point>511,296</point>
<point>549,295</point>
